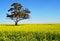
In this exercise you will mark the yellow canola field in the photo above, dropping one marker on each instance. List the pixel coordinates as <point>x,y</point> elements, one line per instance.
<point>31,27</point>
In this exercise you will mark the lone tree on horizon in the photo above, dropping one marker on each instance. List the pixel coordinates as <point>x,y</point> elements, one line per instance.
<point>18,13</point>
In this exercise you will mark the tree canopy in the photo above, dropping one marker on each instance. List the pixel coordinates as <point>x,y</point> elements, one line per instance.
<point>18,12</point>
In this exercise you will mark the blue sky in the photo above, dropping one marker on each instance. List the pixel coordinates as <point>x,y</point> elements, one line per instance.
<point>42,11</point>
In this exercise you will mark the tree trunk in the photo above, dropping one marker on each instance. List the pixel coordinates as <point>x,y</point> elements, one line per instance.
<point>16,23</point>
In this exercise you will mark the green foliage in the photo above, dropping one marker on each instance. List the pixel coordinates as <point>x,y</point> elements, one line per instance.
<point>29,36</point>
<point>18,13</point>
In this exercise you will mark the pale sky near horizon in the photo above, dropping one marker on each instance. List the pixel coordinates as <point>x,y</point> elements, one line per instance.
<point>42,11</point>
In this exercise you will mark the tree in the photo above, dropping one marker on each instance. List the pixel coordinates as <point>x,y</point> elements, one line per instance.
<point>18,13</point>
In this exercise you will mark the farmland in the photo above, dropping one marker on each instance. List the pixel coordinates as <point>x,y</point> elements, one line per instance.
<point>31,27</point>
<point>30,32</point>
